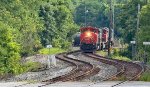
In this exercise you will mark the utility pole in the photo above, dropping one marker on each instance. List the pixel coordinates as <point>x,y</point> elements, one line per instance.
<point>110,29</point>
<point>85,15</point>
<point>138,22</point>
<point>113,24</point>
<point>138,17</point>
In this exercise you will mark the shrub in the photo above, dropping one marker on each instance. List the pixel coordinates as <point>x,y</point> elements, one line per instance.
<point>28,66</point>
<point>116,52</point>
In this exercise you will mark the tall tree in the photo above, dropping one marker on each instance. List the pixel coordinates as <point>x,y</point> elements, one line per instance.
<point>58,22</point>
<point>9,53</point>
<point>126,19</point>
<point>23,17</point>
<point>143,34</point>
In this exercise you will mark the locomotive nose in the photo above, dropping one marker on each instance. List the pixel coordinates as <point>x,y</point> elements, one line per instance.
<point>88,40</point>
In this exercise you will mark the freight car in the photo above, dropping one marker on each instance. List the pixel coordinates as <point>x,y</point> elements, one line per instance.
<point>76,39</point>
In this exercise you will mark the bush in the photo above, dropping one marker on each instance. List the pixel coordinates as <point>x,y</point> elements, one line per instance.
<point>29,66</point>
<point>66,45</point>
<point>61,43</point>
<point>116,52</point>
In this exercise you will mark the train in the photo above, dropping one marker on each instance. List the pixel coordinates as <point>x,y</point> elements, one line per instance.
<point>91,39</point>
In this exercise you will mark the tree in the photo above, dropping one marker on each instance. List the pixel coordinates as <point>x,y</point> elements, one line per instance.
<point>58,22</point>
<point>23,17</point>
<point>9,53</point>
<point>95,12</point>
<point>143,34</point>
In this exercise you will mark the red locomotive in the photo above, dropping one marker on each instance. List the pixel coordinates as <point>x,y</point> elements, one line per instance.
<point>92,39</point>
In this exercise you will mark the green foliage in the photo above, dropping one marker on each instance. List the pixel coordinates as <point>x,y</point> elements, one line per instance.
<point>116,55</point>
<point>116,52</point>
<point>51,51</point>
<point>102,53</point>
<point>126,19</point>
<point>31,66</point>
<point>23,17</point>
<point>126,22</point>
<point>9,52</point>
<point>27,25</point>
<point>58,23</point>
<point>96,13</point>
<point>121,58</point>
<point>121,54</point>
<point>143,34</point>
<point>145,76</point>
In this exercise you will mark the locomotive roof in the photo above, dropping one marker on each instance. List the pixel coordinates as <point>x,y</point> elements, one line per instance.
<point>89,28</point>
<point>105,28</point>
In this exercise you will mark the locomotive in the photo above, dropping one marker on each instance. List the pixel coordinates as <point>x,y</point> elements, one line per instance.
<point>92,39</point>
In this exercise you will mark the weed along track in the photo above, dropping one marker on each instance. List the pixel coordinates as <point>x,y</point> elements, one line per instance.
<point>81,70</point>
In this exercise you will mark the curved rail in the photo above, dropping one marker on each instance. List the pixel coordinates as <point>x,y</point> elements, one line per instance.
<point>82,69</point>
<point>132,71</point>
<point>119,66</point>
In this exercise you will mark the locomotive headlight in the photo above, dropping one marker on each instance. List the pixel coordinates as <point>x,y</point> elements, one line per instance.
<point>88,34</point>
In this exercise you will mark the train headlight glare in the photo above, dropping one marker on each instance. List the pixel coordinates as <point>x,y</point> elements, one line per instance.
<point>88,34</point>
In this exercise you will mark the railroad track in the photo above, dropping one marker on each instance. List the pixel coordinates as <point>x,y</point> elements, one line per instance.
<point>129,70</point>
<point>119,66</point>
<point>132,70</point>
<point>81,70</point>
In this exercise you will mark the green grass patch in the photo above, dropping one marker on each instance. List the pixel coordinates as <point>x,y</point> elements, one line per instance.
<point>105,54</point>
<point>51,51</point>
<point>145,76</point>
<point>121,58</point>
<point>102,53</point>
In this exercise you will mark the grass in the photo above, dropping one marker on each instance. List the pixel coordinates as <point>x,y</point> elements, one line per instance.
<point>51,51</point>
<point>29,66</point>
<point>102,53</point>
<point>145,76</point>
<point>119,57</point>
